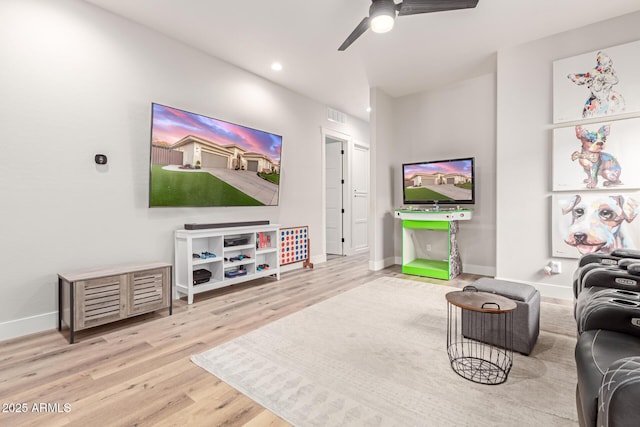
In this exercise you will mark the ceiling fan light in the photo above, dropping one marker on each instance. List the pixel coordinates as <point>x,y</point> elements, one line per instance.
<point>382,23</point>
<point>382,14</point>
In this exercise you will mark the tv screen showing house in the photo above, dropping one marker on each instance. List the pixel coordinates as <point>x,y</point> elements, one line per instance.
<point>202,161</point>
<point>439,181</point>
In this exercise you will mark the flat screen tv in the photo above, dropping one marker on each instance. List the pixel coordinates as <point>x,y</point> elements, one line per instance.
<point>439,182</point>
<point>202,161</point>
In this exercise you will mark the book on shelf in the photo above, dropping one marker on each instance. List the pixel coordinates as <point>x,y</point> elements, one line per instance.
<point>263,240</point>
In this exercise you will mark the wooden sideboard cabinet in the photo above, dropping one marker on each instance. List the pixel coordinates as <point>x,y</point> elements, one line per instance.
<point>93,297</point>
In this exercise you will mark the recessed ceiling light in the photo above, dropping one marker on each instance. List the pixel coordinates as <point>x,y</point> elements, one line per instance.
<point>368,109</point>
<point>276,66</point>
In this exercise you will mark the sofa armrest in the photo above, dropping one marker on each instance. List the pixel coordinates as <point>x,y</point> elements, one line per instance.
<point>611,277</point>
<point>580,273</point>
<point>596,354</point>
<point>609,309</point>
<point>619,394</point>
<point>626,253</point>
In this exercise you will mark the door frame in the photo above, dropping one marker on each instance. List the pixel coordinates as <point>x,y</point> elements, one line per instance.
<point>347,141</point>
<point>342,147</point>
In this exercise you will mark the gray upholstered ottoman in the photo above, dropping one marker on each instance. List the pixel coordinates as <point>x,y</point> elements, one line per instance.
<point>526,317</point>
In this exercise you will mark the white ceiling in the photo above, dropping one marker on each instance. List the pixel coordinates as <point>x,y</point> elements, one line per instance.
<point>422,52</point>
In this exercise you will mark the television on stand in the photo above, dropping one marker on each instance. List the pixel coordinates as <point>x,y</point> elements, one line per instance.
<point>436,182</point>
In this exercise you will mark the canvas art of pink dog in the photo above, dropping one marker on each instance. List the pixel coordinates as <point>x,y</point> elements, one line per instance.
<point>595,162</point>
<point>600,81</point>
<point>598,222</point>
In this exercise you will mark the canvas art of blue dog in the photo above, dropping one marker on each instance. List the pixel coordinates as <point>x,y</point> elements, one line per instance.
<point>595,162</point>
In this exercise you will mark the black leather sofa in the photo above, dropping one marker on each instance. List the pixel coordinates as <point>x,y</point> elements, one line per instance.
<point>607,354</point>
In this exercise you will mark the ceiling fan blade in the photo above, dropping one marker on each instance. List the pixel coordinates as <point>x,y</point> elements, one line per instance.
<point>413,7</point>
<point>360,29</point>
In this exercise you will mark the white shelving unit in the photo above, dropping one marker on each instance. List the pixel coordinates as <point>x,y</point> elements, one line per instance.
<point>235,248</point>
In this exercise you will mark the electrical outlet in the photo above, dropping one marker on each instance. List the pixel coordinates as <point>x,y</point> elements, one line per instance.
<point>428,248</point>
<point>556,267</point>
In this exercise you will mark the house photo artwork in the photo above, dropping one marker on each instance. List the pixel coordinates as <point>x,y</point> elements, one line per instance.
<point>594,222</point>
<point>601,83</point>
<point>202,161</point>
<point>597,156</point>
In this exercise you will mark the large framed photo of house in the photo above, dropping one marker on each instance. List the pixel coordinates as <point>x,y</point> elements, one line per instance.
<point>594,222</point>
<point>200,161</point>
<point>597,156</point>
<point>602,83</point>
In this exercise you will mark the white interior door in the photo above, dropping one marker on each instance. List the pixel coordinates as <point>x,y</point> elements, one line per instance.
<point>334,182</point>
<point>360,199</point>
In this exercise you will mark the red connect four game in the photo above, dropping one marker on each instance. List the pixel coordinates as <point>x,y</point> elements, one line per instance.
<point>294,244</point>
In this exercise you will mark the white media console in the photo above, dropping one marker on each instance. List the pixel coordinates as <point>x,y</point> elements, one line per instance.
<point>232,255</point>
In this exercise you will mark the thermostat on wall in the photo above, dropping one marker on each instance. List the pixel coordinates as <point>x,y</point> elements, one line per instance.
<point>101,159</point>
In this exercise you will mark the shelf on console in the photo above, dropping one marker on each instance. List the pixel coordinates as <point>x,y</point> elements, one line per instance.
<point>228,249</point>
<point>265,250</point>
<point>188,242</point>
<point>239,262</point>
<point>200,261</point>
<point>427,267</point>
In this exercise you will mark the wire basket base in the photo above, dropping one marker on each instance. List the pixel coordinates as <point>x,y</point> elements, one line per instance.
<point>479,370</point>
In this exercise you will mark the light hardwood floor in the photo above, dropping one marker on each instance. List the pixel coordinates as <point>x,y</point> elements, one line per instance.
<point>138,371</point>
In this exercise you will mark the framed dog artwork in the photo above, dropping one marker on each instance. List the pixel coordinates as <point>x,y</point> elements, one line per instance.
<point>594,222</point>
<point>601,83</point>
<point>597,156</point>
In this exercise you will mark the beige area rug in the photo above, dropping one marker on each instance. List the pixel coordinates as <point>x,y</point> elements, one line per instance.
<point>376,356</point>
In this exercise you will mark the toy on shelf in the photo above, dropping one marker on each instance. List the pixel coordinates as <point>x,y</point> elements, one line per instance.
<point>262,267</point>
<point>240,271</point>
<point>207,254</point>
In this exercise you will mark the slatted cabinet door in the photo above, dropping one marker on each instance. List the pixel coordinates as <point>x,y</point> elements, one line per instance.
<point>100,300</point>
<point>149,290</point>
<point>96,296</point>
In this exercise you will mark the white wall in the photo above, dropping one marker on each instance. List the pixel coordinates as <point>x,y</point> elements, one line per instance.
<point>383,164</point>
<point>505,121</point>
<point>77,81</point>
<point>452,122</point>
<point>524,136</point>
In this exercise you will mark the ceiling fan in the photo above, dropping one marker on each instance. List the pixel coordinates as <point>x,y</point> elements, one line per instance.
<point>382,14</point>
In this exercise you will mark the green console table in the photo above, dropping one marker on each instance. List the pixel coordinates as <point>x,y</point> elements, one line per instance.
<point>429,241</point>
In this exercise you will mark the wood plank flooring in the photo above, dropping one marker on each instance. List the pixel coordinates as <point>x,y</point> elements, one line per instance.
<point>138,371</point>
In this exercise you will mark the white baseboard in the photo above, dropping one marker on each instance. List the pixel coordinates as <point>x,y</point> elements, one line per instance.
<point>555,291</point>
<point>482,270</point>
<point>318,259</point>
<point>548,290</point>
<point>357,251</point>
<point>28,325</point>
<point>381,264</point>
